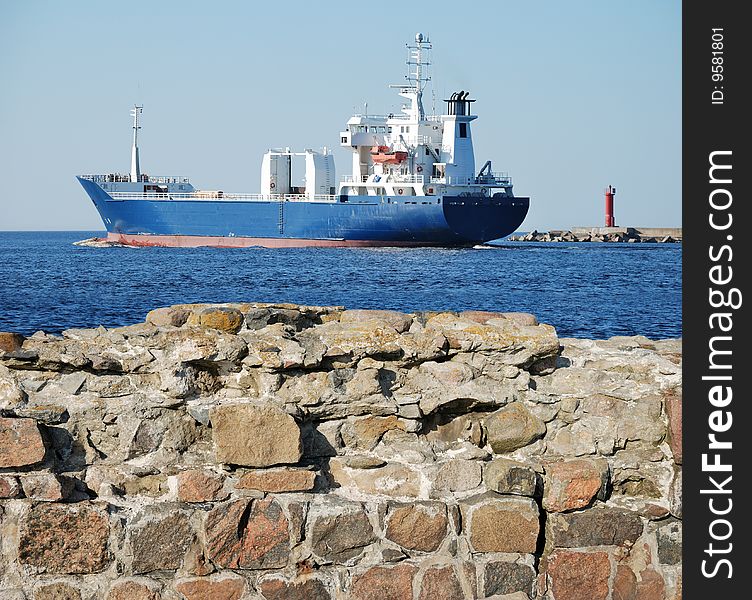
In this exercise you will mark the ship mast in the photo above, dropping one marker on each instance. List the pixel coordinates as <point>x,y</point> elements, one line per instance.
<point>419,76</point>
<point>135,166</point>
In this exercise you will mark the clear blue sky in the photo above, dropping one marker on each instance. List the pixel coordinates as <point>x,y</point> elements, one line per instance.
<point>571,96</point>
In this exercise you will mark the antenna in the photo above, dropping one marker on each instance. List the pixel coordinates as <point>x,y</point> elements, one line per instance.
<point>135,165</point>
<point>418,58</point>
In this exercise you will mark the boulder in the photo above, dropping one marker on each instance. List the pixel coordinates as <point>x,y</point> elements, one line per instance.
<point>455,475</point>
<point>673,403</point>
<point>11,394</point>
<point>170,316</point>
<point>223,318</point>
<point>512,427</point>
<point>10,342</point>
<point>507,341</point>
<point>47,487</point>
<point>10,487</point>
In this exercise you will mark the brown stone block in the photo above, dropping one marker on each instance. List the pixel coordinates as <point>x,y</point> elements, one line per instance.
<point>159,538</point>
<point>47,487</point>
<point>508,578</point>
<point>512,427</point>
<point>255,436</point>
<point>573,484</point>
<point>510,477</point>
<point>277,480</point>
<point>248,535</point>
<point>625,584</point>
<point>10,342</point>
<point>223,318</point>
<point>339,531</point>
<point>502,524</point>
<point>59,590</point>
<point>275,588</point>
<point>199,485</point>
<point>134,590</point>
<point>226,587</point>
<point>594,527</point>
<point>417,526</point>
<point>384,583</point>
<point>579,575</point>
<point>20,443</point>
<point>69,539</point>
<point>443,583</point>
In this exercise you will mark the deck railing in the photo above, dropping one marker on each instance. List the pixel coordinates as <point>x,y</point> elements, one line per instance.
<point>126,178</point>
<point>385,179</point>
<point>214,196</point>
<point>493,179</point>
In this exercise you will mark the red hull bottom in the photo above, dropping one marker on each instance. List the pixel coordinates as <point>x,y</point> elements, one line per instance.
<point>195,241</point>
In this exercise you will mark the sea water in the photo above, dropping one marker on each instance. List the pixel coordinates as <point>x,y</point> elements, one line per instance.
<point>587,290</point>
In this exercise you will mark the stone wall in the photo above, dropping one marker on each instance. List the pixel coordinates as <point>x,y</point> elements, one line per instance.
<point>283,452</point>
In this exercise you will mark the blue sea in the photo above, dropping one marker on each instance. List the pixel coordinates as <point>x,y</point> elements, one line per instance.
<point>585,290</point>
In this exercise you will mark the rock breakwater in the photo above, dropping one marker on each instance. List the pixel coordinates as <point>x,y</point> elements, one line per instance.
<point>603,234</point>
<point>268,452</point>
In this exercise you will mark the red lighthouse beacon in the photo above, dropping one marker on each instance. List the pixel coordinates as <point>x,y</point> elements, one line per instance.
<point>610,193</point>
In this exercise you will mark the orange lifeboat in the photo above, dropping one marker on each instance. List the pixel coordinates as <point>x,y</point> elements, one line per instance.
<point>383,155</point>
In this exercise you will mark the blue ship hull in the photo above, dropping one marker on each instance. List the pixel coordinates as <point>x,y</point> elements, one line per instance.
<point>351,221</point>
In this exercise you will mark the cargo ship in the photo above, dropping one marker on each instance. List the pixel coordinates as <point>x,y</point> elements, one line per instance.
<point>413,183</point>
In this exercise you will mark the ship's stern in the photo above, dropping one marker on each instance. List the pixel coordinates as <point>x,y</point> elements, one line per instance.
<point>480,219</point>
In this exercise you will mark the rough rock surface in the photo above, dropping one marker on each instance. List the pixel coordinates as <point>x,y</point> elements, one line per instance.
<point>250,451</point>
<point>255,436</point>
<point>20,443</point>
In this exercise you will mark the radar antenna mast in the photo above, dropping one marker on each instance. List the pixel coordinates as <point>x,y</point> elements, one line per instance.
<point>418,75</point>
<point>135,165</point>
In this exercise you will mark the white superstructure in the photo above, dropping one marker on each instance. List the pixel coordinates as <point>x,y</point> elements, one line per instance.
<point>414,153</point>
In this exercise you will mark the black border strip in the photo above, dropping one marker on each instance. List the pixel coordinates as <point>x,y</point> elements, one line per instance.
<point>714,265</point>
